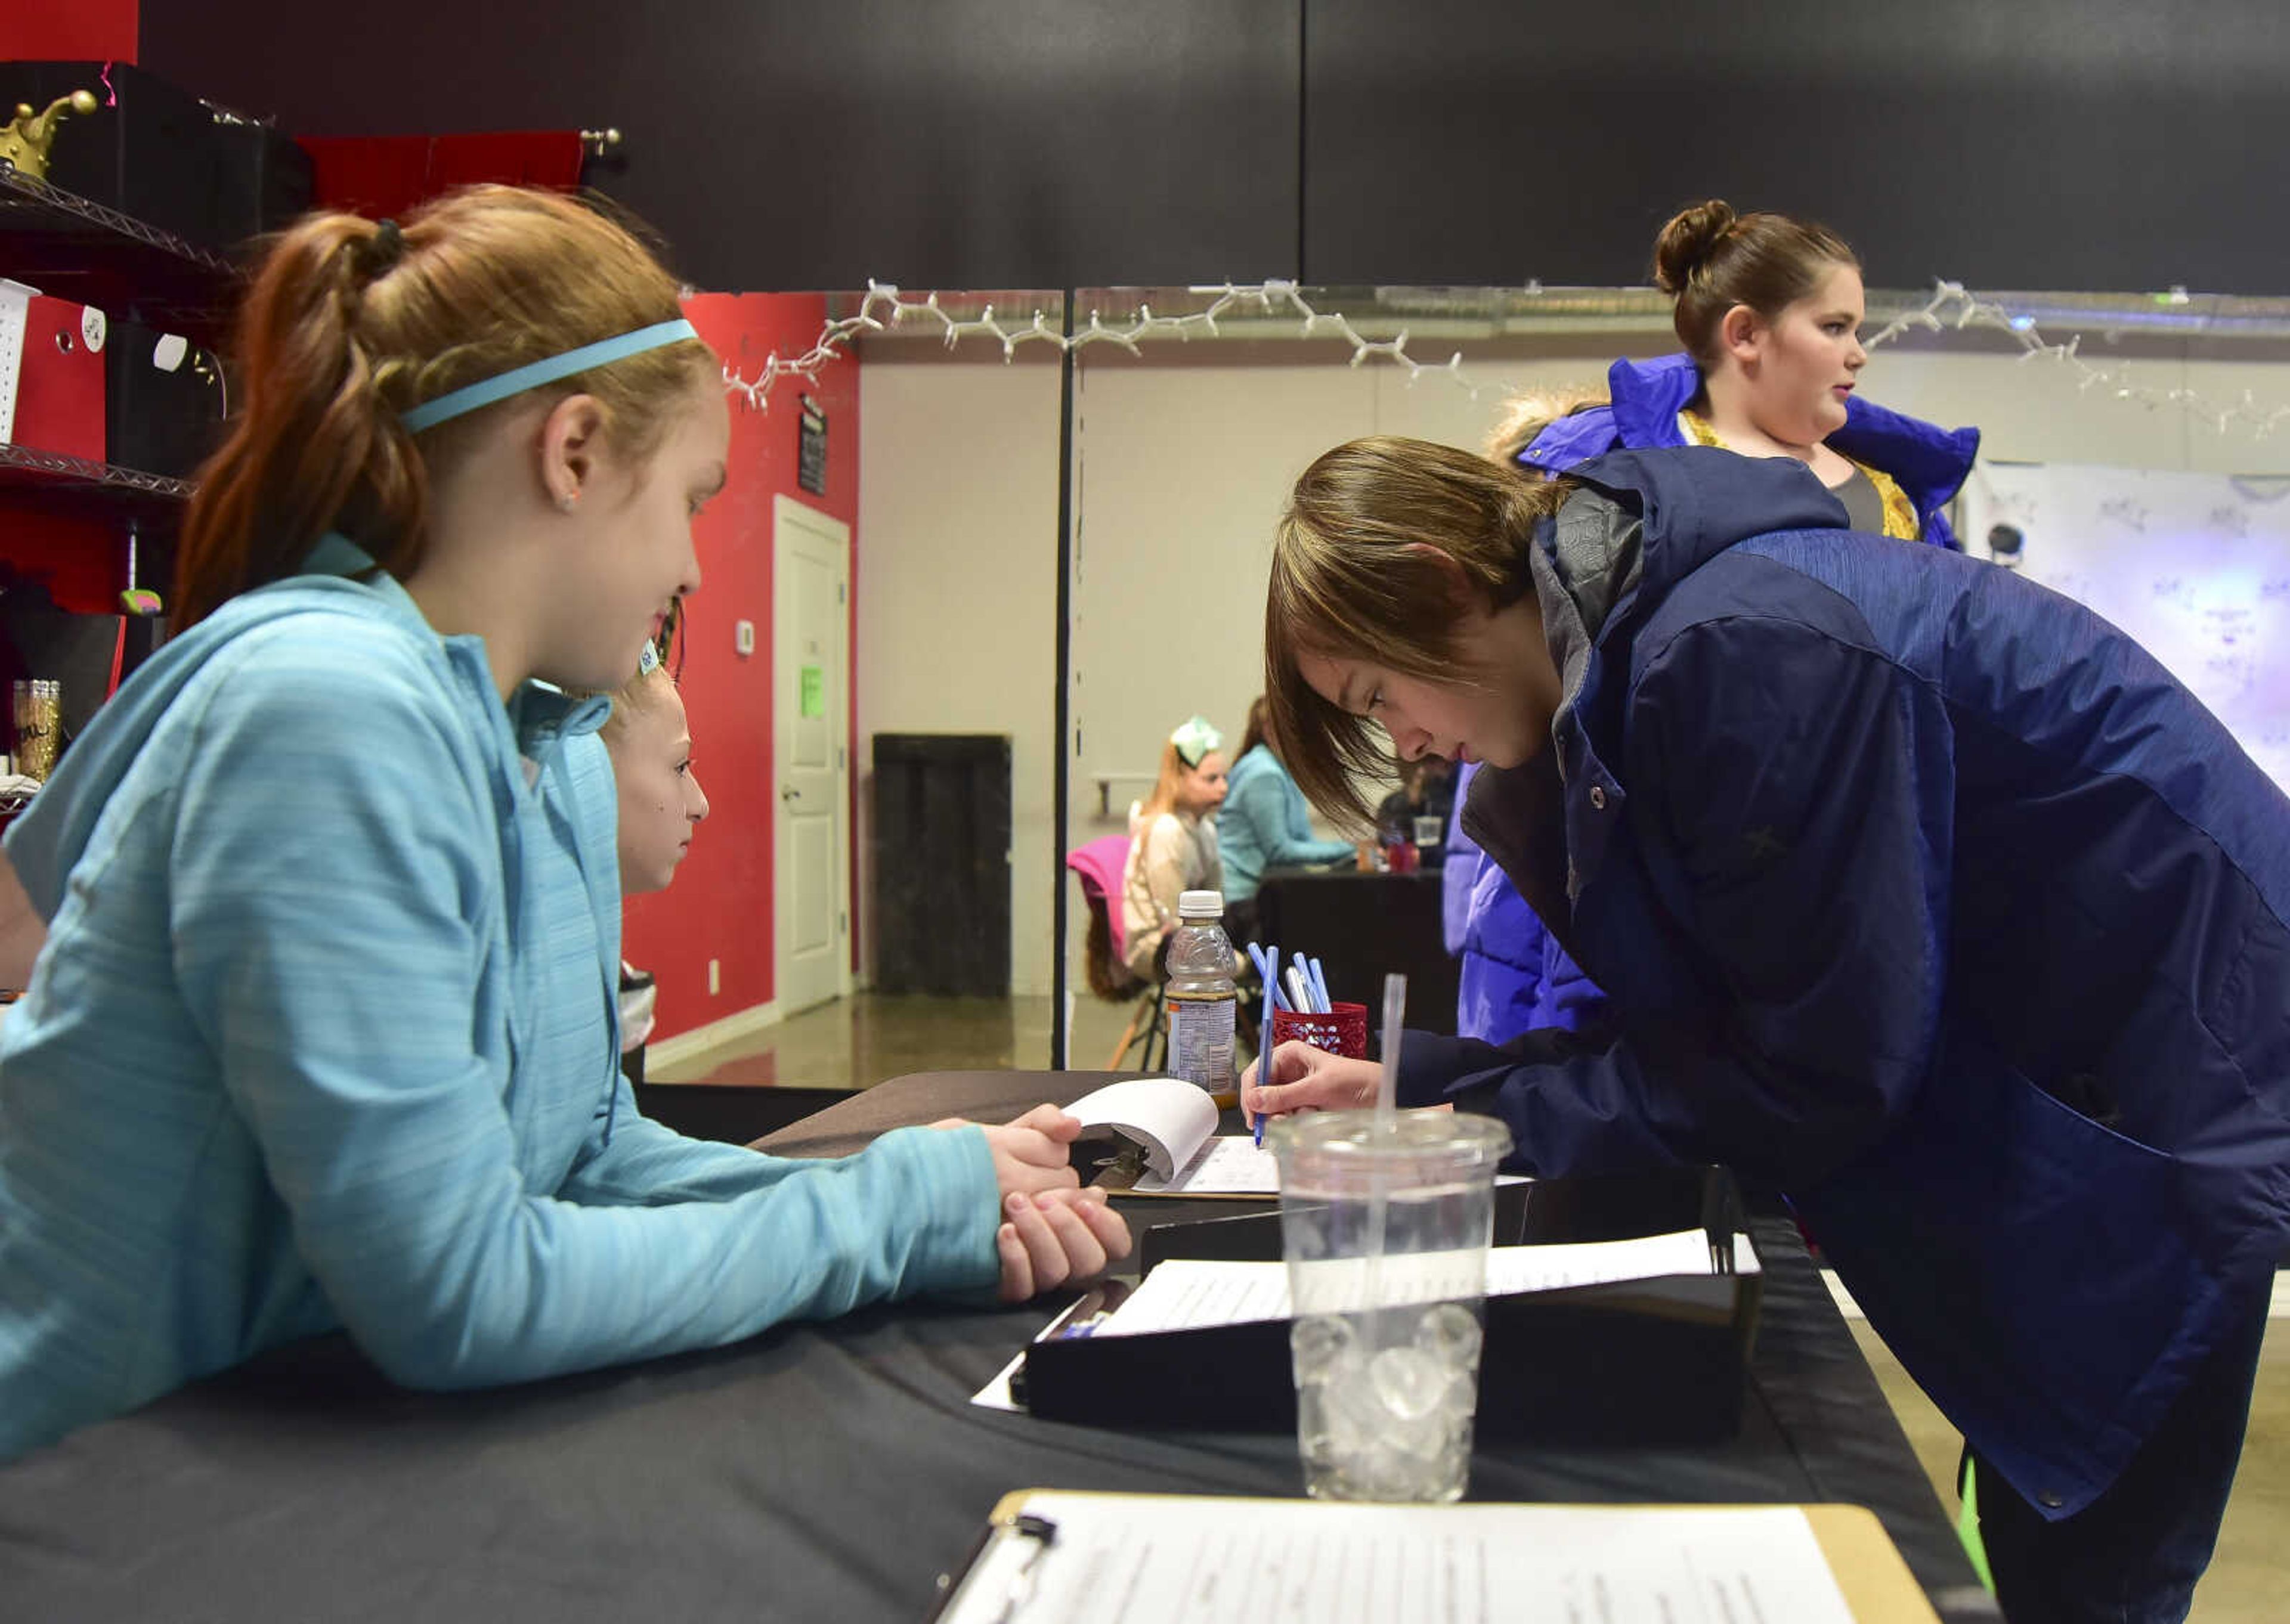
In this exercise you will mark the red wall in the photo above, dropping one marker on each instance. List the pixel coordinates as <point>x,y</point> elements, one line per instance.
<point>71,30</point>
<point>721,905</point>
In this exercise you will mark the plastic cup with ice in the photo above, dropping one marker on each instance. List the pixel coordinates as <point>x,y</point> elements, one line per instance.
<point>1386,1341</point>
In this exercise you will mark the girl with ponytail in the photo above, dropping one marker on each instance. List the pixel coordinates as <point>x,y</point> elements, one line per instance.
<point>322,1034</point>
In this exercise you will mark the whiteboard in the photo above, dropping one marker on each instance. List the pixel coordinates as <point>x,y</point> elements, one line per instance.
<point>2195,566</point>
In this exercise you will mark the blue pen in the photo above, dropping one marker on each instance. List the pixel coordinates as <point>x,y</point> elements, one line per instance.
<point>1267,970</point>
<point>1319,986</point>
<point>1269,965</point>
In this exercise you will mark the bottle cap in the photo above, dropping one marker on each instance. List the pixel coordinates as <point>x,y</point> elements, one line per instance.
<point>1200,904</point>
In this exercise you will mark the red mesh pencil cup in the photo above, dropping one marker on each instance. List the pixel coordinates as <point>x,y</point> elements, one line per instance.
<point>1343,1030</point>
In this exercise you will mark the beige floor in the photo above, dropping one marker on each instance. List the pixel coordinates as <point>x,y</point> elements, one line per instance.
<point>862,1041</point>
<point>865,1040</point>
<point>2249,1579</point>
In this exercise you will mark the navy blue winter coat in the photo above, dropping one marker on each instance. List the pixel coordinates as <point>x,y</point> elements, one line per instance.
<point>1924,892</point>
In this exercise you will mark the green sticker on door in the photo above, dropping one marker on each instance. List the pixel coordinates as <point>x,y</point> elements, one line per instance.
<point>814,691</point>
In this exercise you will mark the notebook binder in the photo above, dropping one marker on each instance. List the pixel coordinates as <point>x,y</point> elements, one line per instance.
<point>1650,1362</point>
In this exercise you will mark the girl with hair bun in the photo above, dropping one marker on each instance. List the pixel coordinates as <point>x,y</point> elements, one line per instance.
<point>1769,309</point>
<point>322,1035</point>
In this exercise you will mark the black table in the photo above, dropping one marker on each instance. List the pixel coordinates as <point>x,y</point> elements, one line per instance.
<point>817,1472</point>
<point>1361,927</point>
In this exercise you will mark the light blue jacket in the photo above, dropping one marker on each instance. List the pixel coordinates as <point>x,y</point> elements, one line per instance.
<point>324,1034</point>
<point>1264,824</point>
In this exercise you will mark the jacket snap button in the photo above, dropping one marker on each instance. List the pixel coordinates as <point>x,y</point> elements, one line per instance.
<point>2052,1502</point>
<point>1598,797</point>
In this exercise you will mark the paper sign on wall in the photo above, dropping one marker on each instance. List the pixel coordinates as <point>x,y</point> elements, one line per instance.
<point>2195,566</point>
<point>811,449</point>
<point>812,691</point>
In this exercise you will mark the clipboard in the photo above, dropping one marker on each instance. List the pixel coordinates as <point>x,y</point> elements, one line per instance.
<point>1012,1566</point>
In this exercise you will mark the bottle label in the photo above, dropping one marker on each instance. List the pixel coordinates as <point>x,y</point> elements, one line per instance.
<point>1201,1039</point>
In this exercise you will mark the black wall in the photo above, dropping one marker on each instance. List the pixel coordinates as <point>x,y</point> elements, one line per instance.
<point>2083,145</point>
<point>2071,144</point>
<point>788,144</point>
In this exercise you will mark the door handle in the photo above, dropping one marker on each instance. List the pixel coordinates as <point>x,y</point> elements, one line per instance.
<point>790,794</point>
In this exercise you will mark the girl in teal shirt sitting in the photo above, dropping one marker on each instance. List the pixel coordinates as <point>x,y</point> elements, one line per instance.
<point>323,1031</point>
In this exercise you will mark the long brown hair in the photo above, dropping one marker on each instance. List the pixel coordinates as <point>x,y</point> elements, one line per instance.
<point>350,322</point>
<point>1166,782</point>
<point>1258,730</point>
<point>1364,567</point>
<point>1711,258</point>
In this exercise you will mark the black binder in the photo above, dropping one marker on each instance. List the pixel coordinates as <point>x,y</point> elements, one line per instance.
<point>1645,1361</point>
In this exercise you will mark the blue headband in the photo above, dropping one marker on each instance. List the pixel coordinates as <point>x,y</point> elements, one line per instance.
<point>517,380</point>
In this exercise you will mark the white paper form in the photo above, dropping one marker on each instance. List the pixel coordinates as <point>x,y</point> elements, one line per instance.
<point>1148,1559</point>
<point>1229,1165</point>
<point>1186,1293</point>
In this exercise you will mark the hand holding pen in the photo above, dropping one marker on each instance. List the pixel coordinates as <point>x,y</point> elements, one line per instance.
<point>1306,992</point>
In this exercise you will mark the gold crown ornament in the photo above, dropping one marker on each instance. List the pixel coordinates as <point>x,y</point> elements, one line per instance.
<point>24,142</point>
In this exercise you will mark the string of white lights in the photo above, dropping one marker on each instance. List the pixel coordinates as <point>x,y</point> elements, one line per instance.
<point>1950,306</point>
<point>1953,306</point>
<point>884,306</point>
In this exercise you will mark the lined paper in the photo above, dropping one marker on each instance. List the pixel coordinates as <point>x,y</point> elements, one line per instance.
<point>1186,1293</point>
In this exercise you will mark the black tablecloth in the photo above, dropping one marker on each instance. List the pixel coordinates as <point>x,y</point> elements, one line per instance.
<point>1362,927</point>
<point>817,1472</point>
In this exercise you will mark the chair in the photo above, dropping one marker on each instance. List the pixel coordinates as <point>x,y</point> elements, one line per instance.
<point>1099,866</point>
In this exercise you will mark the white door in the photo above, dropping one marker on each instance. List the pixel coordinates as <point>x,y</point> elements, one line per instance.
<point>810,769</point>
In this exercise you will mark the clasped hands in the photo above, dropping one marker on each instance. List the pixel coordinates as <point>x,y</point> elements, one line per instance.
<point>1053,1232</point>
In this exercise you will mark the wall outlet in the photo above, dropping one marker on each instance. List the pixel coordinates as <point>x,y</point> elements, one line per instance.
<point>744,636</point>
<point>715,977</point>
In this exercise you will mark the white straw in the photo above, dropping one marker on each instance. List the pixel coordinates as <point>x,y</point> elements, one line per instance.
<point>1386,1103</point>
<point>1386,1087</point>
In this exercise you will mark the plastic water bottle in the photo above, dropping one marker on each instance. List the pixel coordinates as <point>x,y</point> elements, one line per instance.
<point>1202,1000</point>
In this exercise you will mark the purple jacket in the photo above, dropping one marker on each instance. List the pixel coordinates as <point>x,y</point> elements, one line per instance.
<point>1515,977</point>
<point>1929,463</point>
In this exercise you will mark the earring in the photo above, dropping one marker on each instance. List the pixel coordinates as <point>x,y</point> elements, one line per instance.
<point>569,500</point>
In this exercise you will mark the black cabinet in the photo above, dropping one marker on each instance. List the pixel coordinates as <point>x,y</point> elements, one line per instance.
<point>941,853</point>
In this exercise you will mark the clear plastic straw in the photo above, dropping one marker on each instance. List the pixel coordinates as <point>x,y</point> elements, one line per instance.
<point>1386,1087</point>
<point>1386,1116</point>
